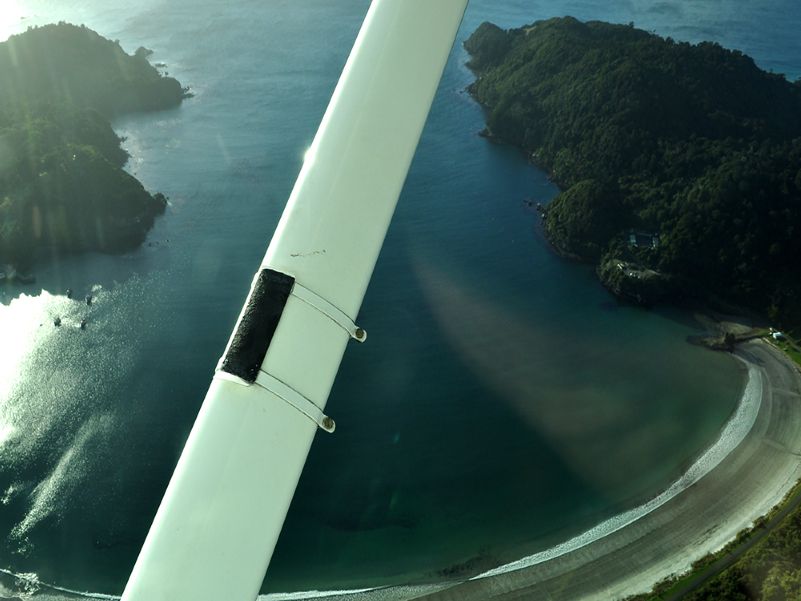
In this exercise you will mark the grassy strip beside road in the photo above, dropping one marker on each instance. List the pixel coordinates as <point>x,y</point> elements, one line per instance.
<point>763,562</point>
<point>709,578</point>
<point>791,348</point>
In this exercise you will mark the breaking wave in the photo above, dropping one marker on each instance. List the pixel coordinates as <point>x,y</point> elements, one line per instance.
<point>734,432</point>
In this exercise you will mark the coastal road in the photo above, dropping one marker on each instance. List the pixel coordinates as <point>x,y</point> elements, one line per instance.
<point>728,560</point>
<point>745,485</point>
<point>732,557</point>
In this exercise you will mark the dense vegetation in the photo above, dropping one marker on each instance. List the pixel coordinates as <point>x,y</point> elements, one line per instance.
<point>769,572</point>
<point>766,564</point>
<point>691,142</point>
<point>62,187</point>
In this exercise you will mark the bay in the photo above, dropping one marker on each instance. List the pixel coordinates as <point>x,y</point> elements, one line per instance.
<point>504,400</point>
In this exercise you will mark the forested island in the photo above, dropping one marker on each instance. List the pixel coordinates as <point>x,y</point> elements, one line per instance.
<point>62,186</point>
<point>679,165</point>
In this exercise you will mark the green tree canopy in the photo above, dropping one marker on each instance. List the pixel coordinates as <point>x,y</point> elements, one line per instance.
<point>695,142</point>
<point>62,186</point>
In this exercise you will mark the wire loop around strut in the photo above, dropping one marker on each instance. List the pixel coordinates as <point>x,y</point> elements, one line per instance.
<point>296,400</point>
<point>332,312</point>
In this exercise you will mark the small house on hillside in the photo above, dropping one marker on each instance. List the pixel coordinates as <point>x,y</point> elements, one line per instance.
<point>643,240</point>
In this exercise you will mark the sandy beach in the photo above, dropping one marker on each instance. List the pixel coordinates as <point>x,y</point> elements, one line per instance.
<point>746,472</point>
<point>745,485</point>
<point>661,538</point>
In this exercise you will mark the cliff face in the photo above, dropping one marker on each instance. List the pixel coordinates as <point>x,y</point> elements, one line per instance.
<point>634,283</point>
<point>62,186</point>
<point>691,142</point>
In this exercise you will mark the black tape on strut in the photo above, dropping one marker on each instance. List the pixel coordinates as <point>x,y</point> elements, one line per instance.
<point>258,324</point>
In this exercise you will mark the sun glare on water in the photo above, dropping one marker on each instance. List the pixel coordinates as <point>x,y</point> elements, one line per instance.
<point>21,329</point>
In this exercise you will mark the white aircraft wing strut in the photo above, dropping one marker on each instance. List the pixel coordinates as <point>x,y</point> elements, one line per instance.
<point>217,525</point>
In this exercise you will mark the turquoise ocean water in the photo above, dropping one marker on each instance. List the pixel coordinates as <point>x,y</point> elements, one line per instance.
<point>504,401</point>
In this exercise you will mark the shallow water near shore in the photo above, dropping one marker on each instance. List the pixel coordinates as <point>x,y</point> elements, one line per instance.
<point>504,402</point>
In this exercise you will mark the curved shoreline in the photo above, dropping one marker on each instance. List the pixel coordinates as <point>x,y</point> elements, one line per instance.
<point>746,472</point>
<point>733,433</point>
<point>743,486</point>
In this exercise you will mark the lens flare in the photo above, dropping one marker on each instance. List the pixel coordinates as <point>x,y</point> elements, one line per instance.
<point>12,18</point>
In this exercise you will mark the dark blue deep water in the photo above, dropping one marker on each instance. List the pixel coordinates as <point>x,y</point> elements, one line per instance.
<point>504,400</point>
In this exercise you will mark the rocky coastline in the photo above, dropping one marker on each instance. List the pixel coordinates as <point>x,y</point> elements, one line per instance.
<point>678,180</point>
<point>63,187</point>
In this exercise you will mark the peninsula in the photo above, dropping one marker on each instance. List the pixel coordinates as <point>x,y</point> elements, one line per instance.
<point>62,184</point>
<point>679,164</point>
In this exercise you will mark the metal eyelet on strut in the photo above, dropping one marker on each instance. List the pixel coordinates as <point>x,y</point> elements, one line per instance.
<point>245,354</point>
<point>296,400</point>
<point>332,312</point>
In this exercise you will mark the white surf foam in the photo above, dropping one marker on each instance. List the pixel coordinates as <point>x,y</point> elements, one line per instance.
<point>311,595</point>
<point>29,585</point>
<point>733,433</point>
